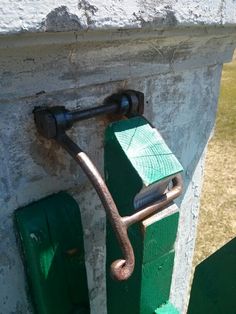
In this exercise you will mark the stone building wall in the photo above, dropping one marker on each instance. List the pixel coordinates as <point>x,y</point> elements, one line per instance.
<point>169,51</point>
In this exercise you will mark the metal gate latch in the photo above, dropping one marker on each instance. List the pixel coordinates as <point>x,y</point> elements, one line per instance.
<point>52,122</point>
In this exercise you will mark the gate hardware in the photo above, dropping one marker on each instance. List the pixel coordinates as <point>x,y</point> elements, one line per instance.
<point>52,122</point>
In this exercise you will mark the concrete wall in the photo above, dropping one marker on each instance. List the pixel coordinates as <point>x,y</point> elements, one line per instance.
<point>178,69</point>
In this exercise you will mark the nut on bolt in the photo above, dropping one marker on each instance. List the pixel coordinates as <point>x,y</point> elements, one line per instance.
<point>50,122</point>
<point>136,100</point>
<point>129,102</point>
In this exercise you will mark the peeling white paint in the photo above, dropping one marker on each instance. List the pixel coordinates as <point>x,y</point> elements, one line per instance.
<point>61,15</point>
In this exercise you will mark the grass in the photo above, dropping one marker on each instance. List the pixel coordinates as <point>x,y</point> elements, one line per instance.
<point>217,222</point>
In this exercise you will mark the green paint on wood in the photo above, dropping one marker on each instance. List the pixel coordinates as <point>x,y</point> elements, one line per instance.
<point>136,157</point>
<point>145,149</point>
<point>52,242</point>
<point>156,281</point>
<point>149,286</point>
<point>159,237</point>
<point>167,308</point>
<point>214,285</point>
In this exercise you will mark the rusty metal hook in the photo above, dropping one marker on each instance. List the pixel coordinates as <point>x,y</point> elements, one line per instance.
<point>123,268</point>
<point>52,124</point>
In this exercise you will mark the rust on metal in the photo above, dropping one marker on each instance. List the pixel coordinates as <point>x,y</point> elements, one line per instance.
<point>52,122</point>
<point>121,269</point>
<point>163,201</point>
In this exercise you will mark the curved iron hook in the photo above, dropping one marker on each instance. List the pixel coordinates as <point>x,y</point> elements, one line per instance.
<point>121,269</point>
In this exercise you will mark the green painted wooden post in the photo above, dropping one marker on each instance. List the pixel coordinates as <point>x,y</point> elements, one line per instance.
<point>52,243</point>
<point>137,158</point>
<point>214,283</point>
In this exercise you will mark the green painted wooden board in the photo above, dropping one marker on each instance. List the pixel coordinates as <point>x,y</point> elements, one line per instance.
<point>156,281</point>
<point>136,158</point>
<point>52,244</point>
<point>158,238</point>
<point>214,284</point>
<point>167,308</point>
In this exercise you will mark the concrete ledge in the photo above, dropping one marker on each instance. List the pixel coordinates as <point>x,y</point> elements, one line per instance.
<point>74,60</point>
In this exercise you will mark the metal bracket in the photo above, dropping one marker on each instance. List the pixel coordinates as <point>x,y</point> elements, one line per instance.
<point>52,122</point>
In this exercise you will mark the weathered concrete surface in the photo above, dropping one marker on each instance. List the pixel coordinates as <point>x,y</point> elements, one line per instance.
<point>84,51</point>
<point>179,72</point>
<point>122,55</point>
<point>61,15</point>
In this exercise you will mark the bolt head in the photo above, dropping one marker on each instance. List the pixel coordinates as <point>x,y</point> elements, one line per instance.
<point>45,122</point>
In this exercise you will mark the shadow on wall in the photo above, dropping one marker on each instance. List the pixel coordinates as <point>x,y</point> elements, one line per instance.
<point>214,284</point>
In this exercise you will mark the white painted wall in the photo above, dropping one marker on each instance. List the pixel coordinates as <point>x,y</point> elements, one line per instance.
<point>178,68</point>
<point>61,15</point>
